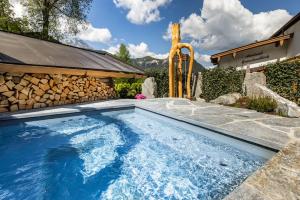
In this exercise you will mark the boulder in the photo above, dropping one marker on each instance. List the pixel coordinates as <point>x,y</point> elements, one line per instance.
<point>198,89</point>
<point>284,106</point>
<point>249,88</point>
<point>149,88</point>
<point>227,99</point>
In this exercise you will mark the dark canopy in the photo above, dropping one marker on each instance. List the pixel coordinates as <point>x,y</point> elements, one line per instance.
<point>17,49</point>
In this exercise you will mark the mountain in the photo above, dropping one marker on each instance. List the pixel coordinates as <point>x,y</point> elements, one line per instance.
<point>148,62</point>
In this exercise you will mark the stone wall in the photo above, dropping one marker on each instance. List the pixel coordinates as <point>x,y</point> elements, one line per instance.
<point>28,91</point>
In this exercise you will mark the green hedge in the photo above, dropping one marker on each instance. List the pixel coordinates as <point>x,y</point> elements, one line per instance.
<point>219,81</point>
<point>284,79</point>
<point>161,76</point>
<point>128,88</point>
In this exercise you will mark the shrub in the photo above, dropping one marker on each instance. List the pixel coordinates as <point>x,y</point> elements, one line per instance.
<point>262,104</point>
<point>161,76</point>
<point>219,81</point>
<point>284,79</point>
<point>128,88</point>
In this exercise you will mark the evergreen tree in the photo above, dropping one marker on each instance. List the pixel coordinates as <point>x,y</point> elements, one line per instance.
<point>124,54</point>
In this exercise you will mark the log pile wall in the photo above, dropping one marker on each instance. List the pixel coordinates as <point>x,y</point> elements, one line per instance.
<point>28,91</point>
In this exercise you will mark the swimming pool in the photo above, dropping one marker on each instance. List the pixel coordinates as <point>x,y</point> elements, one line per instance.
<point>124,154</point>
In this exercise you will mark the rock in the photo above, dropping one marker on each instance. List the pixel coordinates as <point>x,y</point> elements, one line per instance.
<point>250,80</point>
<point>227,99</point>
<point>14,108</point>
<point>284,106</point>
<point>4,88</point>
<point>8,94</point>
<point>198,90</point>
<point>149,88</point>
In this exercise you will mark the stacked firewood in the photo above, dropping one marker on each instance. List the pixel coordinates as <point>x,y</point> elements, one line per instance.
<point>27,91</point>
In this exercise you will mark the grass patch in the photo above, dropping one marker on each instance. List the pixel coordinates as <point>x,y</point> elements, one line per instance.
<point>260,104</point>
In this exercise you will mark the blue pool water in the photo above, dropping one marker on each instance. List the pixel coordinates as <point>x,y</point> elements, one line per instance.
<point>120,155</point>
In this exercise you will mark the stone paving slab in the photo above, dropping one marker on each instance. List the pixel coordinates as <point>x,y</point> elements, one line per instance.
<point>278,179</point>
<point>268,130</point>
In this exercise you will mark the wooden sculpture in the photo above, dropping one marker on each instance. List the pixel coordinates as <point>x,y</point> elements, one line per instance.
<point>176,50</point>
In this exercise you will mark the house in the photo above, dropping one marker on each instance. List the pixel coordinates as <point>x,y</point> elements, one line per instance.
<point>35,73</point>
<point>282,45</point>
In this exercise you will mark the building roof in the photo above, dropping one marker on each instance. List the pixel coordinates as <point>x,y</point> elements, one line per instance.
<point>290,23</point>
<point>216,57</point>
<point>22,50</point>
<point>276,37</point>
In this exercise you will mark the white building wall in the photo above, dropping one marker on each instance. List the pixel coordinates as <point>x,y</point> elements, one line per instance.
<point>294,44</point>
<point>256,57</point>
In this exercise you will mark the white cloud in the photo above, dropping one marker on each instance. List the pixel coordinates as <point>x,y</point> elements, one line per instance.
<point>138,51</point>
<point>224,24</point>
<point>203,59</point>
<point>142,11</point>
<point>93,34</point>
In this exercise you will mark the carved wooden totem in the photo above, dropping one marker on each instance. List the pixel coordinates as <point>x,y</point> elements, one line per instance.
<point>176,51</point>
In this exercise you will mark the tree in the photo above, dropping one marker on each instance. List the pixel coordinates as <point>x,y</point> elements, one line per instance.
<point>7,20</point>
<point>47,16</point>
<point>124,54</point>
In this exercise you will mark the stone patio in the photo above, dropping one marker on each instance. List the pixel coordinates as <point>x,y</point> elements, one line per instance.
<point>278,179</point>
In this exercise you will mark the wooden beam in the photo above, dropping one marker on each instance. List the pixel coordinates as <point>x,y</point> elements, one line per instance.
<point>281,42</point>
<point>16,68</point>
<point>234,54</point>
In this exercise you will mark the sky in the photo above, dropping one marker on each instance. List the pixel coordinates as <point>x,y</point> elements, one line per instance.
<point>210,26</point>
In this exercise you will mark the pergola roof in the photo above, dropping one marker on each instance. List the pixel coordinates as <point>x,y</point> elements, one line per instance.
<point>20,51</point>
